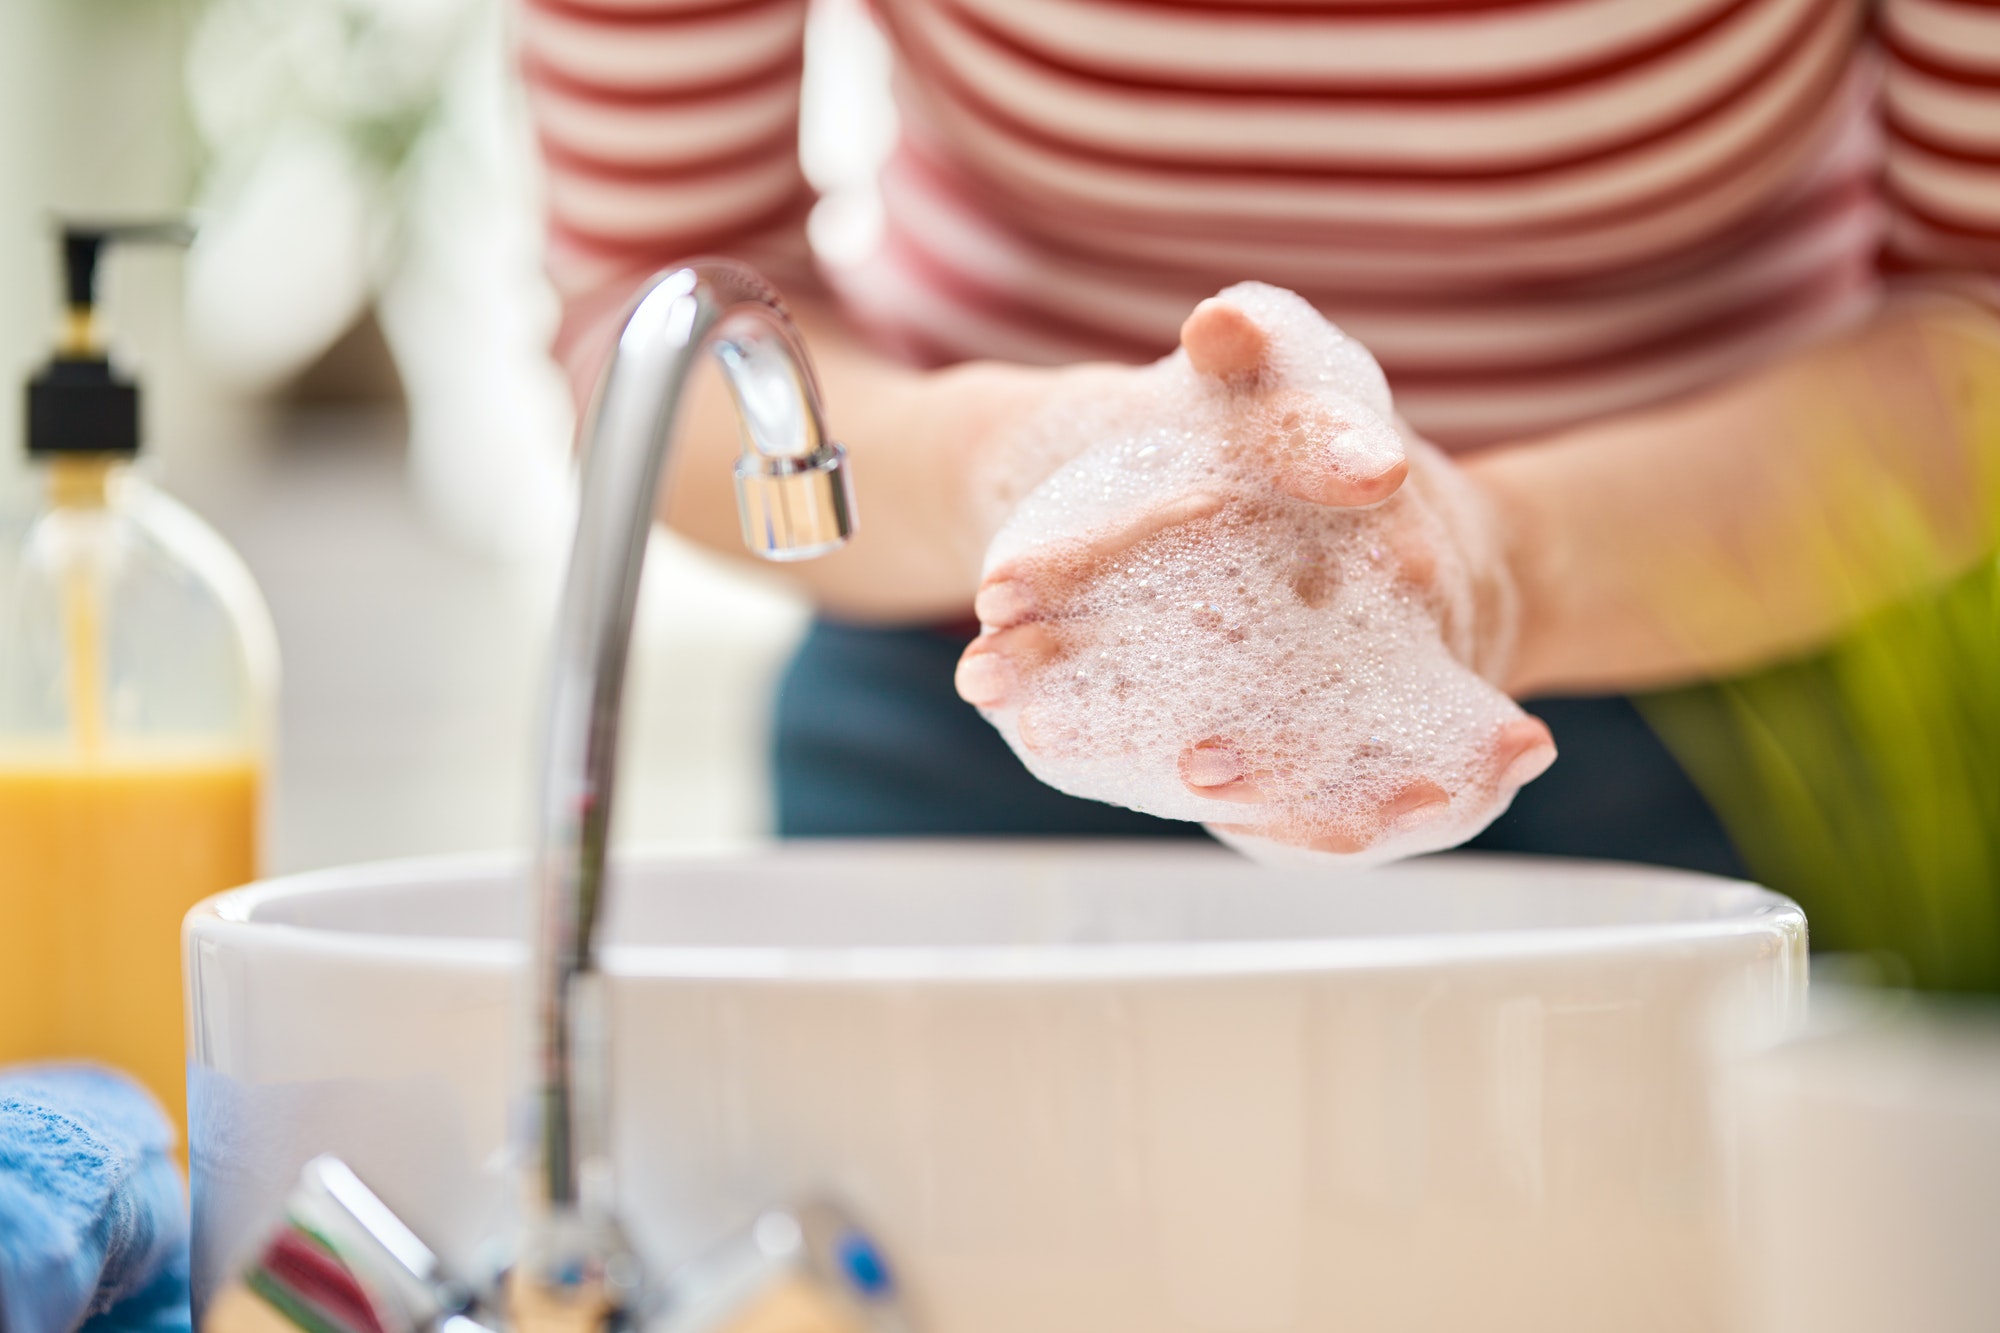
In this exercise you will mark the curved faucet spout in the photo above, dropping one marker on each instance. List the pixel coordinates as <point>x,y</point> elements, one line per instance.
<point>796,503</point>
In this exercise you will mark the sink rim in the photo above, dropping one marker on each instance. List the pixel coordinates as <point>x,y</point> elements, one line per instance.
<point>227,916</point>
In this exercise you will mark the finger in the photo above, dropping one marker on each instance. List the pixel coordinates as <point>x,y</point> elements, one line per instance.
<point>1215,769</point>
<point>1416,560</point>
<point>1222,340</point>
<point>1003,602</point>
<point>993,665</point>
<point>1414,805</point>
<point>1522,752</point>
<point>1043,731</point>
<point>1415,563</point>
<point>1338,839</point>
<point>1014,599</point>
<point>1346,457</point>
<point>1110,543</point>
<point>1038,585</point>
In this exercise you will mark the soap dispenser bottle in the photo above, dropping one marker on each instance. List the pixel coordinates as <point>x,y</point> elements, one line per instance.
<point>137,679</point>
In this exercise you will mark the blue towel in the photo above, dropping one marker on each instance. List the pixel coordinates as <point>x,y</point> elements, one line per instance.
<point>93,1218</point>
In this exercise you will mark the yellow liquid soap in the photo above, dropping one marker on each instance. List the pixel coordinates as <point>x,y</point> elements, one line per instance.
<point>105,843</point>
<point>99,861</point>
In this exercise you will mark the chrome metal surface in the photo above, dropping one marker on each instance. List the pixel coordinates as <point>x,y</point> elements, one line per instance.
<point>342,1262</point>
<point>795,509</point>
<point>797,505</point>
<point>805,1268</point>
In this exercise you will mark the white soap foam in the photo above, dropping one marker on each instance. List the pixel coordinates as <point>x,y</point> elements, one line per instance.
<point>1290,632</point>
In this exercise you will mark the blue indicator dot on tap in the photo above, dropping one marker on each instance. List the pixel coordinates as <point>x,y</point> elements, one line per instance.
<point>863,1263</point>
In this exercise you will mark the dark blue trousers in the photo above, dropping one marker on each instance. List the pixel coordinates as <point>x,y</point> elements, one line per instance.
<point>871,739</point>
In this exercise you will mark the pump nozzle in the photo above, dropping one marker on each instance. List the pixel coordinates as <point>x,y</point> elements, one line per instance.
<point>78,404</point>
<point>83,243</point>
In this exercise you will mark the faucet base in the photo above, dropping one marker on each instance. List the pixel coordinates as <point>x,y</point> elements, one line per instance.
<point>342,1262</point>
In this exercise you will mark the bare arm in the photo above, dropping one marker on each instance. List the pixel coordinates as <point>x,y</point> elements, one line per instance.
<point>1720,531</point>
<point>922,442</point>
<point>912,435</point>
<point>1754,520</point>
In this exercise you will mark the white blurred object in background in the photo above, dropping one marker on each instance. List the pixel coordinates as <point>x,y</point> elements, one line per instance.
<point>1870,1152</point>
<point>286,265</point>
<point>469,318</point>
<point>376,151</point>
<point>847,128</point>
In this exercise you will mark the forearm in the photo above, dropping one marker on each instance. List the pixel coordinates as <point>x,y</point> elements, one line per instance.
<point>1756,520</point>
<point>928,477</point>
<point>938,460</point>
<point>915,555</point>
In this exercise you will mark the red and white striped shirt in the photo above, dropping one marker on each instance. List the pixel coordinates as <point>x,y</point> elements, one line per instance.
<point>1532,211</point>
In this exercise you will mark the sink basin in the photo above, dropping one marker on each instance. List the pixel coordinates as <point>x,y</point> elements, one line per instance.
<point>1072,1087</point>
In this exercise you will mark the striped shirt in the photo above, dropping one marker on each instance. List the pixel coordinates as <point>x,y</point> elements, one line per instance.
<point>1533,211</point>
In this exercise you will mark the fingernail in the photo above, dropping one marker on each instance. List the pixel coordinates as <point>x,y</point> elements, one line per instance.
<point>1043,735</point>
<point>1368,487</point>
<point>1418,816</point>
<point>1212,766</point>
<point>1002,604</point>
<point>984,679</point>
<point>1528,766</point>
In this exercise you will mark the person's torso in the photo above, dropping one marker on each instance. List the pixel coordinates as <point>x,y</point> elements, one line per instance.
<point>1533,211</point>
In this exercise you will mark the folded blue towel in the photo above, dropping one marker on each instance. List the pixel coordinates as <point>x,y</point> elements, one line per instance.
<point>93,1218</point>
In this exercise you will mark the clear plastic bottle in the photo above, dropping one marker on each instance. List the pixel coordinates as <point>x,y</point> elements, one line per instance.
<point>137,678</point>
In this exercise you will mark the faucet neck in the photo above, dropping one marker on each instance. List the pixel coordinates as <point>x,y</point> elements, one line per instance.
<point>795,495</point>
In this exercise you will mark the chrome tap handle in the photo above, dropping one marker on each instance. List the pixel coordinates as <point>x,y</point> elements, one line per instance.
<point>805,1268</point>
<point>796,503</point>
<point>342,1262</point>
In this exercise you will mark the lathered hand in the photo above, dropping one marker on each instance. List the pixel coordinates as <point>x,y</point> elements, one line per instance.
<point>1250,600</point>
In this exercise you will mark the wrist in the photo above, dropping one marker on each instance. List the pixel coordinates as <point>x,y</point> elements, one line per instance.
<point>1528,541</point>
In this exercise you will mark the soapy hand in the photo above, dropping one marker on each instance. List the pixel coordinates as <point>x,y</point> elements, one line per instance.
<point>1250,600</point>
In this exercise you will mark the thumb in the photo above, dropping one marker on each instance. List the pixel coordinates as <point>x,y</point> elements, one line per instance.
<point>1322,450</point>
<point>1334,454</point>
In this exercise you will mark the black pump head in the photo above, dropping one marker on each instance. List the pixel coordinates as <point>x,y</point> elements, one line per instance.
<point>79,404</point>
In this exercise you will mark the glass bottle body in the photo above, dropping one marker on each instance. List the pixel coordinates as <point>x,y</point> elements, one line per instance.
<point>137,674</point>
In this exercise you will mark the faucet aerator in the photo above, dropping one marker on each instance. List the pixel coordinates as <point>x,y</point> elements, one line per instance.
<point>795,508</point>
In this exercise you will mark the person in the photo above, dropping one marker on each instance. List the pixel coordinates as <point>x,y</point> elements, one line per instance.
<point>1692,291</point>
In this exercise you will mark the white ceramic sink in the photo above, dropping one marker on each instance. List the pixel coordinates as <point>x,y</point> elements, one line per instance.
<point>1073,1087</point>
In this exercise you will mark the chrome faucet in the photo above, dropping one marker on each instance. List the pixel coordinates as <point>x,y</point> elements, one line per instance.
<point>795,503</point>
<point>571,1268</point>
